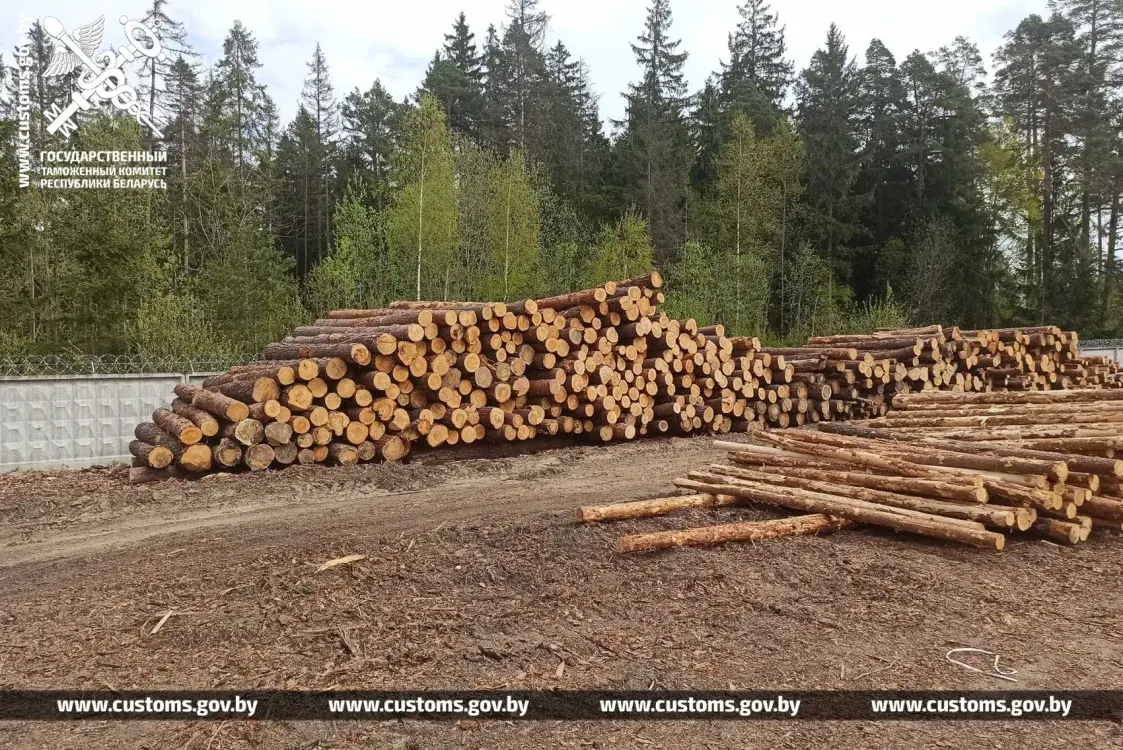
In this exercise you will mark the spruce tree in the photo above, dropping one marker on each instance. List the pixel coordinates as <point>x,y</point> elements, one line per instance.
<point>455,79</point>
<point>827,106</point>
<point>755,80</point>
<point>369,123</point>
<point>318,97</point>
<point>156,73</point>
<point>655,142</point>
<point>883,176</point>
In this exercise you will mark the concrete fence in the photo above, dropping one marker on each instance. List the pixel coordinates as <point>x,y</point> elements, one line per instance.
<point>1111,348</point>
<point>75,421</point>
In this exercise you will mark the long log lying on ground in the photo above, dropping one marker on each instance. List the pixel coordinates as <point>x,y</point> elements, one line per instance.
<point>815,502</point>
<point>1042,397</point>
<point>654,507</point>
<point>1006,518</point>
<point>751,531</point>
<point>970,489</point>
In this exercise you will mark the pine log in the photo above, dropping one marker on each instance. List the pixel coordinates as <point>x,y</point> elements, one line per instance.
<point>226,453</point>
<point>990,516</point>
<point>749,531</point>
<point>854,510</point>
<point>251,391</point>
<point>391,448</point>
<point>840,436</point>
<point>344,454</point>
<point>297,397</point>
<point>655,507</point>
<point>181,428</point>
<point>970,489</point>
<point>354,353</point>
<point>906,401</point>
<point>212,402</point>
<point>1057,530</point>
<point>155,456</point>
<point>206,423</point>
<point>285,454</point>
<point>247,432</point>
<point>278,433</point>
<point>1103,507</point>
<point>258,457</point>
<point>193,458</point>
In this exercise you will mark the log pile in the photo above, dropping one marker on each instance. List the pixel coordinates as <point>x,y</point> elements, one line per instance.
<point>964,467</point>
<point>865,371</point>
<point>604,364</point>
<point>360,385</point>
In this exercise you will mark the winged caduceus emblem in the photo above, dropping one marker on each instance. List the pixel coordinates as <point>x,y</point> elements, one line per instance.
<point>88,38</point>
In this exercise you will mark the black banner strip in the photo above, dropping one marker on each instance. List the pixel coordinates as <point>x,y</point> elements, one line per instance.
<point>251,705</point>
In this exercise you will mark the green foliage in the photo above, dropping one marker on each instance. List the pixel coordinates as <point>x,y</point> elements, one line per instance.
<point>355,274</point>
<point>250,292</point>
<point>980,205</point>
<point>423,218</point>
<point>624,251</point>
<point>692,284</point>
<point>176,324</point>
<point>515,270</point>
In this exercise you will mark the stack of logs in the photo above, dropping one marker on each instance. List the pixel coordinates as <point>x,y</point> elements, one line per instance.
<point>964,467</point>
<point>605,363</point>
<point>361,385</point>
<point>865,371</point>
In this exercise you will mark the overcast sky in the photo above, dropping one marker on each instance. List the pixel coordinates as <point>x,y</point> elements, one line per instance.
<point>394,41</point>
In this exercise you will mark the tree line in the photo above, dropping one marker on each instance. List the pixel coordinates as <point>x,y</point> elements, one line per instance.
<point>782,201</point>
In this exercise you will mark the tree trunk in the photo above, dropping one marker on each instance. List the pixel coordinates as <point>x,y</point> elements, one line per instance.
<point>854,510</point>
<point>156,456</point>
<point>647,508</point>
<point>213,403</point>
<point>227,453</point>
<point>751,531</point>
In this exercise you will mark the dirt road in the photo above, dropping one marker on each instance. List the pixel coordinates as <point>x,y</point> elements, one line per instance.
<point>477,577</point>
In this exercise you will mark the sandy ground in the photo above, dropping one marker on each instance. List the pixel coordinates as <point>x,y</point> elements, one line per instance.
<point>477,577</point>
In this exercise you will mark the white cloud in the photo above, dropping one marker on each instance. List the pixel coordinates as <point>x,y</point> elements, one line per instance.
<point>394,41</point>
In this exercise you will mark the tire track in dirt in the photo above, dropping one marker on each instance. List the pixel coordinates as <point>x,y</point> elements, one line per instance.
<point>510,488</point>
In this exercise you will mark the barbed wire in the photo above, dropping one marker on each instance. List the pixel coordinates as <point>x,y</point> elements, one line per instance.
<point>111,364</point>
<point>1101,343</point>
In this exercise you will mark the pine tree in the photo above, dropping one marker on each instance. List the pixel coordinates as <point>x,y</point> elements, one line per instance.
<point>827,104</point>
<point>655,142</point>
<point>1099,34</point>
<point>1037,81</point>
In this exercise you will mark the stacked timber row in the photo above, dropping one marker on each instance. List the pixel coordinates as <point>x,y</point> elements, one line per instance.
<point>963,467</point>
<point>363,385</point>
<point>865,371</point>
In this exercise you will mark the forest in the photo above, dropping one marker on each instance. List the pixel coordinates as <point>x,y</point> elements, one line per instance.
<point>784,198</point>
